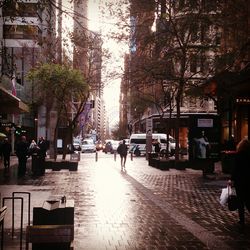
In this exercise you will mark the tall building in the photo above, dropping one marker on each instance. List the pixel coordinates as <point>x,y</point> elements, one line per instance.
<point>80,34</point>
<point>173,47</point>
<point>205,44</point>
<point>27,35</point>
<point>87,57</point>
<point>232,83</point>
<point>124,114</point>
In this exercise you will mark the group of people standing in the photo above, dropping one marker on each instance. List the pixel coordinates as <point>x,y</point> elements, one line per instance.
<point>23,151</point>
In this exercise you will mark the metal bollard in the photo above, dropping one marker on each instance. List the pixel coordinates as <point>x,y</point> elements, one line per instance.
<point>131,156</point>
<point>115,155</point>
<point>96,156</point>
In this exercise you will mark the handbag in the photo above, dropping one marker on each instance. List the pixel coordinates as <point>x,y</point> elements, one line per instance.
<point>232,201</point>
<point>224,196</point>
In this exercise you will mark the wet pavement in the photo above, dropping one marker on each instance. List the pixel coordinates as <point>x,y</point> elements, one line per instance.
<point>140,208</point>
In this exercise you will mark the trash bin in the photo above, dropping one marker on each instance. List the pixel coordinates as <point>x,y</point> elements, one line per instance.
<point>207,166</point>
<point>76,156</point>
<point>37,166</point>
<point>227,161</point>
<point>150,158</point>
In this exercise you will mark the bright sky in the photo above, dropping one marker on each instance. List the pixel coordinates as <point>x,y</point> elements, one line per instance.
<point>112,88</point>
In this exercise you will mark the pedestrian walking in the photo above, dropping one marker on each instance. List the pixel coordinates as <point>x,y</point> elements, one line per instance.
<point>240,179</point>
<point>42,144</point>
<point>33,148</point>
<point>122,150</point>
<point>22,152</point>
<point>6,150</point>
<point>201,147</point>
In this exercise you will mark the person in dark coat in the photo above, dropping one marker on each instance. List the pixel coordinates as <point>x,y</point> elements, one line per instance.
<point>122,150</point>
<point>1,150</point>
<point>22,152</point>
<point>157,146</point>
<point>42,144</point>
<point>6,150</point>
<point>240,178</point>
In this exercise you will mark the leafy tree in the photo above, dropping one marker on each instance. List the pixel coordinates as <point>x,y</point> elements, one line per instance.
<point>57,85</point>
<point>119,131</point>
<point>182,52</point>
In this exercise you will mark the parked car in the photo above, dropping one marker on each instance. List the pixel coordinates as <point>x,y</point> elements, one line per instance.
<point>115,144</point>
<point>99,145</point>
<point>88,146</point>
<point>77,145</point>
<point>108,148</point>
<point>140,140</point>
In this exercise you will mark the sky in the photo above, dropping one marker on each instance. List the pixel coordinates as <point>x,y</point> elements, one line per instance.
<point>112,87</point>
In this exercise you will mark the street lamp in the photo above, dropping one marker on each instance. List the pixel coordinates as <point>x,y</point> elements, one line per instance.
<point>35,128</point>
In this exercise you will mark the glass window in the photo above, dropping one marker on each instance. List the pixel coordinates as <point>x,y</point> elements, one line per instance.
<point>138,141</point>
<point>193,64</point>
<point>20,31</point>
<point>209,5</point>
<point>20,9</point>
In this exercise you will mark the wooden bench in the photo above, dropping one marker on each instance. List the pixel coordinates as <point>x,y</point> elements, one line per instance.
<point>50,236</point>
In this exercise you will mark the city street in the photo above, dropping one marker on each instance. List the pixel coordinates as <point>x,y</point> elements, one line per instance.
<point>140,208</point>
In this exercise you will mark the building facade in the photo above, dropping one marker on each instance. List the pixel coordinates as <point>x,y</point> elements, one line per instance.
<point>25,29</point>
<point>172,57</point>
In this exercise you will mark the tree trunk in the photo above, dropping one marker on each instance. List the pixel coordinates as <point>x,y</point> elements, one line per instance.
<point>67,140</point>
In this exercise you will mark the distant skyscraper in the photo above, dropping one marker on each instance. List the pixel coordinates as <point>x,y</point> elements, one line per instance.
<point>80,35</point>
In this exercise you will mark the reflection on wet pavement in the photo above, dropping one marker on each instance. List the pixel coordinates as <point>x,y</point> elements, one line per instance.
<point>143,208</point>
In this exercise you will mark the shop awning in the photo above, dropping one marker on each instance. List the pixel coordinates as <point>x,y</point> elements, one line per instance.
<point>10,104</point>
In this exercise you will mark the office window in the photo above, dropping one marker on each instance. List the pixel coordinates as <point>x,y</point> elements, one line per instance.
<point>20,31</point>
<point>193,64</point>
<point>209,5</point>
<point>20,9</point>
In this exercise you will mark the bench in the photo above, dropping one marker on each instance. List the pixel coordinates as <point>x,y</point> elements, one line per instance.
<point>50,237</point>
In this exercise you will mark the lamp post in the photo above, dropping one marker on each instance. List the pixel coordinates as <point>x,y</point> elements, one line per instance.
<point>12,130</point>
<point>35,129</point>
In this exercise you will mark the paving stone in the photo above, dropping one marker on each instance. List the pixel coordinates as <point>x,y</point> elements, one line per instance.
<point>143,208</point>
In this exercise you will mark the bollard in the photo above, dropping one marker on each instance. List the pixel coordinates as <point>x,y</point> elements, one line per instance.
<point>115,155</point>
<point>96,156</point>
<point>131,156</point>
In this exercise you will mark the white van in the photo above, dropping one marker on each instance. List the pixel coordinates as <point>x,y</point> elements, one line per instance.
<point>140,140</point>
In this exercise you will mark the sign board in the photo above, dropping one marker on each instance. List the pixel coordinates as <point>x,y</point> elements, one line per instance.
<point>59,143</point>
<point>205,123</point>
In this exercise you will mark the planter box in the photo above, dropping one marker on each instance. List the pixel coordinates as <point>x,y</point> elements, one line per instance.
<point>181,164</point>
<point>151,158</point>
<point>162,164</point>
<point>58,165</point>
